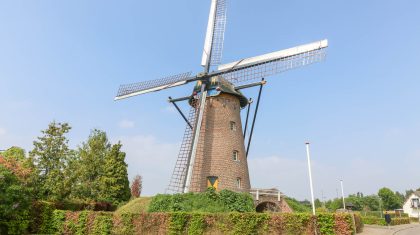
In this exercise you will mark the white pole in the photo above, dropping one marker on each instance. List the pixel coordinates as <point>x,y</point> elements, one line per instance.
<point>342,194</point>
<point>310,178</point>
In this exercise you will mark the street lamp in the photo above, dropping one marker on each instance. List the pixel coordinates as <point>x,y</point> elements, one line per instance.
<point>310,178</point>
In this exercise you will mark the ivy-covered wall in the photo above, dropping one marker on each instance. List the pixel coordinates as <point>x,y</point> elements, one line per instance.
<point>91,222</point>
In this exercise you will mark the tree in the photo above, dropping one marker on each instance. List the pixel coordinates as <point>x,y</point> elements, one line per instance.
<point>50,154</point>
<point>15,153</point>
<point>136,186</point>
<point>88,166</point>
<point>389,199</point>
<point>100,171</point>
<point>15,197</point>
<point>114,182</point>
<point>400,196</point>
<point>372,203</point>
<point>356,200</point>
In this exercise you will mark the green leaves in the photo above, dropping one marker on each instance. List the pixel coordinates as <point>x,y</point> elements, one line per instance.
<point>210,201</point>
<point>14,203</point>
<point>99,171</point>
<point>389,199</point>
<point>51,153</point>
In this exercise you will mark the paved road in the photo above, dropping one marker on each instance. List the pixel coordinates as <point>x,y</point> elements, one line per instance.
<point>407,229</point>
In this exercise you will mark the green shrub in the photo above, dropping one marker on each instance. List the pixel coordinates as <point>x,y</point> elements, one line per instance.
<point>381,221</point>
<point>102,224</point>
<point>197,224</point>
<point>210,201</point>
<point>178,222</point>
<point>326,223</point>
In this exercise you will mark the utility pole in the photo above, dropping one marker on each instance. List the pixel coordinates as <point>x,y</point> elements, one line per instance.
<point>342,194</point>
<point>310,178</point>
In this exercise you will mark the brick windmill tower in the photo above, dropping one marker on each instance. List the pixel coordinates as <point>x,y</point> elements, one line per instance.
<point>213,152</point>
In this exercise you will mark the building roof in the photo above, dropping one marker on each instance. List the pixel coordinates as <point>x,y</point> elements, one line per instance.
<point>417,193</point>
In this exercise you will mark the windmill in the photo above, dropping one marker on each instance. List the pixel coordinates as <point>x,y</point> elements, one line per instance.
<point>213,150</point>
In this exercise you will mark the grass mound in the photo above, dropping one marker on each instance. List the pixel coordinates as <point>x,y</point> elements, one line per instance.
<point>137,205</point>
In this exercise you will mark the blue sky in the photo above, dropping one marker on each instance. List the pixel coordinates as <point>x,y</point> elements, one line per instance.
<point>64,60</point>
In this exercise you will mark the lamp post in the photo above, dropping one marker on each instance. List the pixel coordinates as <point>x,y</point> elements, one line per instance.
<point>310,178</point>
<point>342,194</point>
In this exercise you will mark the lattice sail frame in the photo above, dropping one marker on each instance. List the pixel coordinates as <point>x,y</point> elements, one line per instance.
<point>219,33</point>
<point>139,88</point>
<point>237,73</point>
<point>213,44</point>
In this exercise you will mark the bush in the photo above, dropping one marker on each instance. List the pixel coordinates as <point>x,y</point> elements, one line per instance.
<point>14,203</point>
<point>381,221</point>
<point>210,201</point>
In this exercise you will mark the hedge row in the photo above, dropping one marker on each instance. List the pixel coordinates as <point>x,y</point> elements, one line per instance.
<point>381,221</point>
<point>90,222</point>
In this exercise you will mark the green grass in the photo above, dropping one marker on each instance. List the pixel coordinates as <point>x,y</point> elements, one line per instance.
<point>137,205</point>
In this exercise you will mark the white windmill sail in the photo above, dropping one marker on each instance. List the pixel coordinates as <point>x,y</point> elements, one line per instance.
<point>213,45</point>
<point>272,63</point>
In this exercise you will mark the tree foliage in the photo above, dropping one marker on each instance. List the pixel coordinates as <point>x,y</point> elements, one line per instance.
<point>14,201</point>
<point>136,186</point>
<point>51,153</point>
<point>114,181</point>
<point>389,199</point>
<point>100,171</point>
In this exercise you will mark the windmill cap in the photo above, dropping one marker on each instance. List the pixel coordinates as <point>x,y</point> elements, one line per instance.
<point>218,85</point>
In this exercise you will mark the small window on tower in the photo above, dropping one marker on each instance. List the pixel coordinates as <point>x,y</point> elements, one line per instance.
<point>233,126</point>
<point>235,156</point>
<point>238,183</point>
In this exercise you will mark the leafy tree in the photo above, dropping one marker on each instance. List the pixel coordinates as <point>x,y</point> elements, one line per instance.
<point>357,202</point>
<point>100,171</point>
<point>318,203</point>
<point>114,182</point>
<point>136,186</point>
<point>372,203</point>
<point>389,199</point>
<point>15,198</point>
<point>15,153</point>
<point>88,166</point>
<point>400,196</point>
<point>50,154</point>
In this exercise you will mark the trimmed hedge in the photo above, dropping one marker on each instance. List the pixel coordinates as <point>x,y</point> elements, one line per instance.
<point>381,221</point>
<point>91,222</point>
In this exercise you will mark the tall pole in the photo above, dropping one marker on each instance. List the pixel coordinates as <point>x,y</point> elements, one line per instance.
<point>310,178</point>
<point>342,194</point>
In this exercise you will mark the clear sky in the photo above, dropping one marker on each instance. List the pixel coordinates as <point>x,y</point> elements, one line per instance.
<point>64,60</point>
